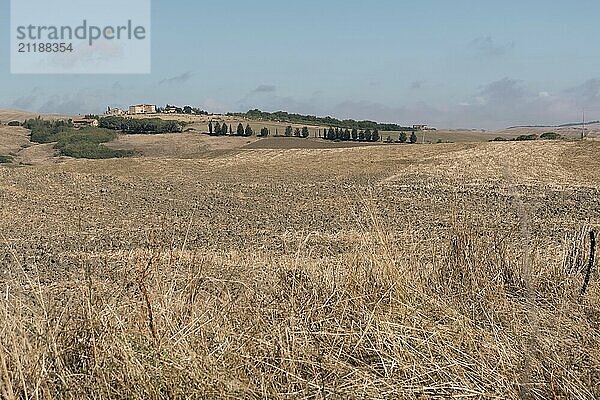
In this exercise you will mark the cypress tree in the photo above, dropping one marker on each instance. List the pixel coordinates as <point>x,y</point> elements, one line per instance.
<point>413,137</point>
<point>331,134</point>
<point>375,136</point>
<point>403,138</point>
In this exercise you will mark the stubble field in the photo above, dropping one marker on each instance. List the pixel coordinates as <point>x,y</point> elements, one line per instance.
<point>424,271</point>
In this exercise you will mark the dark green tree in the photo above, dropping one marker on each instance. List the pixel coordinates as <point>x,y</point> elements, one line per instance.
<point>402,138</point>
<point>339,134</point>
<point>354,134</point>
<point>375,137</point>
<point>210,127</point>
<point>361,135</point>
<point>249,131</point>
<point>305,132</point>
<point>230,130</point>
<point>297,132</point>
<point>368,135</point>
<point>240,129</point>
<point>331,134</point>
<point>289,130</point>
<point>218,128</point>
<point>413,137</point>
<point>224,129</point>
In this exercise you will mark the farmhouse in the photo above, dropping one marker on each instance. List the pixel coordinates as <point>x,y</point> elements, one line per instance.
<point>82,123</point>
<point>142,109</point>
<point>114,111</point>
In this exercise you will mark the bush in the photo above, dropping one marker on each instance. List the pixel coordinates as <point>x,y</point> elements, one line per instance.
<point>526,137</point>
<point>82,143</point>
<point>550,136</point>
<point>46,131</point>
<point>499,139</point>
<point>141,126</point>
<point>5,159</point>
<point>88,143</point>
<point>14,123</point>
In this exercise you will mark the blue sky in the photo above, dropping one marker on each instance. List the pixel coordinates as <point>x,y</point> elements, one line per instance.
<point>452,64</point>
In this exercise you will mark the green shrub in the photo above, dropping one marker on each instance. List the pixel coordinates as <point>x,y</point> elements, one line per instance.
<point>87,143</point>
<point>81,149</point>
<point>46,131</point>
<point>71,142</point>
<point>550,136</point>
<point>499,139</point>
<point>140,126</point>
<point>14,123</point>
<point>526,137</point>
<point>5,159</point>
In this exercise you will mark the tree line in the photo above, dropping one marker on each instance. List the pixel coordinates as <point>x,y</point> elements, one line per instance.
<point>222,129</point>
<point>143,125</point>
<point>283,116</point>
<point>182,110</point>
<point>364,135</point>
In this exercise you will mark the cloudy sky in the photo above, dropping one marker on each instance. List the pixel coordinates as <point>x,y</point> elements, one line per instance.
<point>462,63</point>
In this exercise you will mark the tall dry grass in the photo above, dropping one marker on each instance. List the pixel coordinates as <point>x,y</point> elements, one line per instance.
<point>480,315</point>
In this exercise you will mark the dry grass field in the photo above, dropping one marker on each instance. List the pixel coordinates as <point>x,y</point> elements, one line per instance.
<point>18,115</point>
<point>378,272</point>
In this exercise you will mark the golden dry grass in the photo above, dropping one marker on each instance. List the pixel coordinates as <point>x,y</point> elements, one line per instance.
<point>20,115</point>
<point>377,272</point>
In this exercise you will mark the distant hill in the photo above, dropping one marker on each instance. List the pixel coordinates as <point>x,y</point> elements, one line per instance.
<point>569,125</point>
<point>282,116</point>
<point>19,115</point>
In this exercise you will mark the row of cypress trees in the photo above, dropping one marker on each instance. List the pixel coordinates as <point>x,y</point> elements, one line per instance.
<point>222,129</point>
<point>354,135</point>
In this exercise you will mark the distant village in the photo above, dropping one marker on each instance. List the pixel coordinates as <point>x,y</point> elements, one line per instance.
<point>142,109</point>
